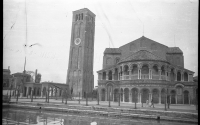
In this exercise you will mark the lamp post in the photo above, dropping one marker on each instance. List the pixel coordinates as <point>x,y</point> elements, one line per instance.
<point>86,99</point>
<point>97,97</point>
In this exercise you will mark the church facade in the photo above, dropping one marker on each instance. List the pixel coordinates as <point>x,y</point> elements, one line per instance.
<point>144,70</point>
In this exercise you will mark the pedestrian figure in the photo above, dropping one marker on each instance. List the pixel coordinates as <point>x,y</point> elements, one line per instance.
<point>152,104</point>
<point>147,103</point>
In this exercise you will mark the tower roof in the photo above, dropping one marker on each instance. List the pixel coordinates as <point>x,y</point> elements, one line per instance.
<point>84,9</point>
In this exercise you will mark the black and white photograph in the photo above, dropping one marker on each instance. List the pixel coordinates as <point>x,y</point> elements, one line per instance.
<point>100,62</point>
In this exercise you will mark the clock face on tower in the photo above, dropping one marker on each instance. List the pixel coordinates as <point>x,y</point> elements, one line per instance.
<point>77,41</point>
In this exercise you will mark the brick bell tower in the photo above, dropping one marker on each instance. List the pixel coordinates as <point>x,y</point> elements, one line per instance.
<point>80,76</point>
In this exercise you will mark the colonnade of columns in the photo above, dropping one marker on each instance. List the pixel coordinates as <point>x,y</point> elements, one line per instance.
<point>41,92</point>
<point>163,73</point>
<point>142,96</point>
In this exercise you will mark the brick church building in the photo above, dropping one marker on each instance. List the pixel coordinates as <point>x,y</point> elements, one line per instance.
<point>144,69</point>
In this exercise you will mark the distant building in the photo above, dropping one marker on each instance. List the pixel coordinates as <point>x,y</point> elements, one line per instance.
<point>6,78</point>
<point>144,69</point>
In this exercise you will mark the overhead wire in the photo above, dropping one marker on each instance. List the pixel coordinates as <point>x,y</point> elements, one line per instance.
<point>104,26</point>
<point>12,24</point>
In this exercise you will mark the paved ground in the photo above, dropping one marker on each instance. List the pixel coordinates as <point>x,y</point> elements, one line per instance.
<point>173,107</point>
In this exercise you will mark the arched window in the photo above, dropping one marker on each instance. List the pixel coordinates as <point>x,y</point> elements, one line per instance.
<point>81,16</point>
<point>104,75</point>
<point>110,75</point>
<point>178,76</point>
<point>185,76</point>
<point>155,70</point>
<point>116,60</point>
<point>126,70</point>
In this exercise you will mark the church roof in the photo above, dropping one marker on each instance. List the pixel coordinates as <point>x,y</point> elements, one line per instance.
<point>112,51</point>
<point>176,50</point>
<point>142,55</point>
<point>143,38</point>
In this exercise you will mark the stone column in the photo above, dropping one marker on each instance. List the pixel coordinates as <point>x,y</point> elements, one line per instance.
<point>99,95</point>
<point>139,97</point>
<point>123,96</point>
<point>159,102</point>
<point>175,72</point>
<point>176,98</point>
<point>169,78</point>
<point>122,72</point>
<point>27,91</point>
<point>138,73</point>
<point>106,96</point>
<point>130,96</point>
<point>129,74</point>
<point>113,75</point>
<point>107,75</point>
<point>182,78</point>
<point>159,71</point>
<point>150,97</point>
<point>166,75</point>
<point>149,73</point>
<point>41,92</point>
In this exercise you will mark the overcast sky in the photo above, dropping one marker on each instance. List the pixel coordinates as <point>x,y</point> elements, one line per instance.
<point>117,22</point>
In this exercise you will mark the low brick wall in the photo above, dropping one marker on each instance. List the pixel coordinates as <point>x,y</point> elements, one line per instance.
<point>112,112</point>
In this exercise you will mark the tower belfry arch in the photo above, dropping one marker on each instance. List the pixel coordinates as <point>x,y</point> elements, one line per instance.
<point>80,76</point>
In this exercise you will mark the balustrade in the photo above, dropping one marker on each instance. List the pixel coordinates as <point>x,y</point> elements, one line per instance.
<point>144,76</point>
<point>155,77</point>
<point>134,76</point>
<point>163,77</point>
<point>126,77</point>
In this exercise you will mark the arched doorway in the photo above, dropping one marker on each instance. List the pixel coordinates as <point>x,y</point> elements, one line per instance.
<point>25,91</point>
<point>134,92</point>
<point>116,96</point>
<point>173,97</point>
<point>179,94</point>
<point>126,95</point>
<point>145,72</point>
<point>145,95</point>
<point>110,92</point>
<point>186,97</point>
<point>44,91</point>
<point>163,96</point>
<point>103,91</point>
<point>155,95</point>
